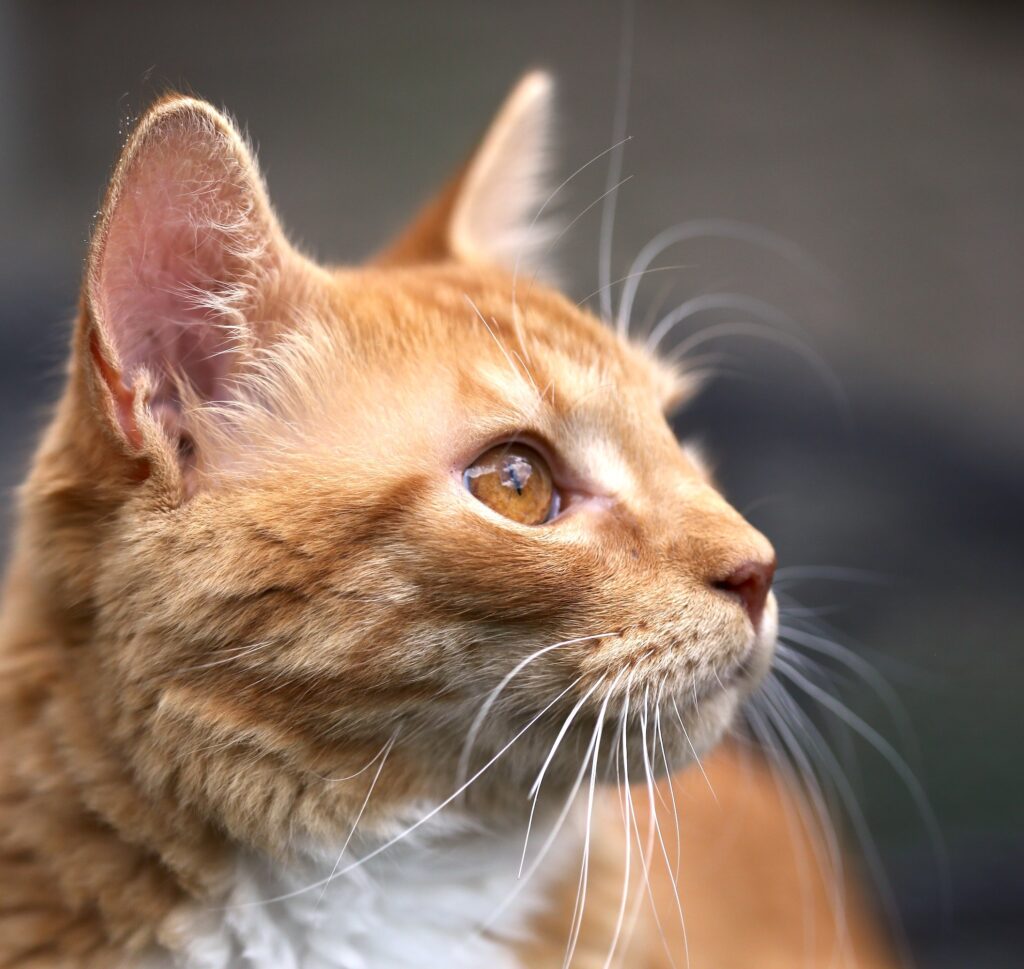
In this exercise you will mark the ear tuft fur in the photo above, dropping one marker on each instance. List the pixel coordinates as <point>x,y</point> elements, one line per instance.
<point>184,249</point>
<point>490,213</point>
<point>497,217</point>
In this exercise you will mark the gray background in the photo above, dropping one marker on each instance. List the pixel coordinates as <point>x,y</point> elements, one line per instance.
<point>885,139</point>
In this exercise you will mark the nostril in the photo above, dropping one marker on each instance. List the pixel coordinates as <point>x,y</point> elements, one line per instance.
<point>750,583</point>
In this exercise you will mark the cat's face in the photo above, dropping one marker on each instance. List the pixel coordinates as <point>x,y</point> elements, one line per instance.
<point>429,506</point>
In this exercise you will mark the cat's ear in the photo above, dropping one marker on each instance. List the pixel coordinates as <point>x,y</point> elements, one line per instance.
<point>491,212</point>
<point>184,254</point>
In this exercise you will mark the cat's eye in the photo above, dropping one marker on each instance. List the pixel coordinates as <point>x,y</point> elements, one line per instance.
<point>515,481</point>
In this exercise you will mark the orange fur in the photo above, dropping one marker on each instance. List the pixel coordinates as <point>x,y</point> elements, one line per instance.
<point>219,601</point>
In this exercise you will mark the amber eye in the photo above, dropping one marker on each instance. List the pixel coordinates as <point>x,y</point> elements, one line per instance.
<point>515,481</point>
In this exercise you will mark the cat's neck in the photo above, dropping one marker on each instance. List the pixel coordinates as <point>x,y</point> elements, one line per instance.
<point>450,897</point>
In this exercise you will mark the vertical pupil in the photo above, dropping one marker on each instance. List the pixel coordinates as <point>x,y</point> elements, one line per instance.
<point>517,471</point>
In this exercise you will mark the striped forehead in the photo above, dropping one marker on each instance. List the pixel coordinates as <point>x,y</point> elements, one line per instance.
<point>545,384</point>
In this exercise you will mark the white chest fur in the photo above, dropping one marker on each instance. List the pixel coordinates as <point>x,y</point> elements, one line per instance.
<point>422,904</point>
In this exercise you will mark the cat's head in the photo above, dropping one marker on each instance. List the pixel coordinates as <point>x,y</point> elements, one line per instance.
<point>427,507</point>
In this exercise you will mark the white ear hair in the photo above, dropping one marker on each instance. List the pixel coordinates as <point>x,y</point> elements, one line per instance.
<point>185,247</point>
<point>497,215</point>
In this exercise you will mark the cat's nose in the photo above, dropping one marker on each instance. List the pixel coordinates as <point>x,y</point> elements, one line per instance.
<point>750,583</point>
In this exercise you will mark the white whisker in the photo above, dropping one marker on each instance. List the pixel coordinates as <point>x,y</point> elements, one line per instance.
<point>645,853</point>
<point>604,261</point>
<point>236,653</point>
<point>761,331</point>
<point>857,664</point>
<point>384,751</point>
<point>581,890</point>
<point>543,209</point>
<point>653,808</point>
<point>426,817</point>
<point>671,788</point>
<point>647,272</point>
<point>831,573</point>
<point>806,779</point>
<point>797,820</point>
<point>698,229</point>
<point>896,762</point>
<point>849,798</point>
<point>524,879</point>
<point>693,750</point>
<point>735,302</point>
<point>485,708</point>
<point>358,818</point>
<point>487,326</point>
<point>579,215</point>
<point>620,738</point>
<point>534,792</point>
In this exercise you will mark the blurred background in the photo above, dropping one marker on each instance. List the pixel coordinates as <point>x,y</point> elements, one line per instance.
<point>885,140</point>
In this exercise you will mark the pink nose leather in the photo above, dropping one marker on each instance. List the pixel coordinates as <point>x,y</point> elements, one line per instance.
<point>750,583</point>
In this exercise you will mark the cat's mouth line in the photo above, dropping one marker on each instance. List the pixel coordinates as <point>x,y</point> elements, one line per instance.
<point>741,674</point>
<point>687,697</point>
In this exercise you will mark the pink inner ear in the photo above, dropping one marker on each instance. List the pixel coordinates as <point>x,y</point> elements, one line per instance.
<point>177,268</point>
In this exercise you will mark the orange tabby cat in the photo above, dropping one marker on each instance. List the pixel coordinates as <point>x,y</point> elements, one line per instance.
<point>344,602</point>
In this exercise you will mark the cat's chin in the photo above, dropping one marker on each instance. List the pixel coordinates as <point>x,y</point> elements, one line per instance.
<point>697,720</point>
<point>759,661</point>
